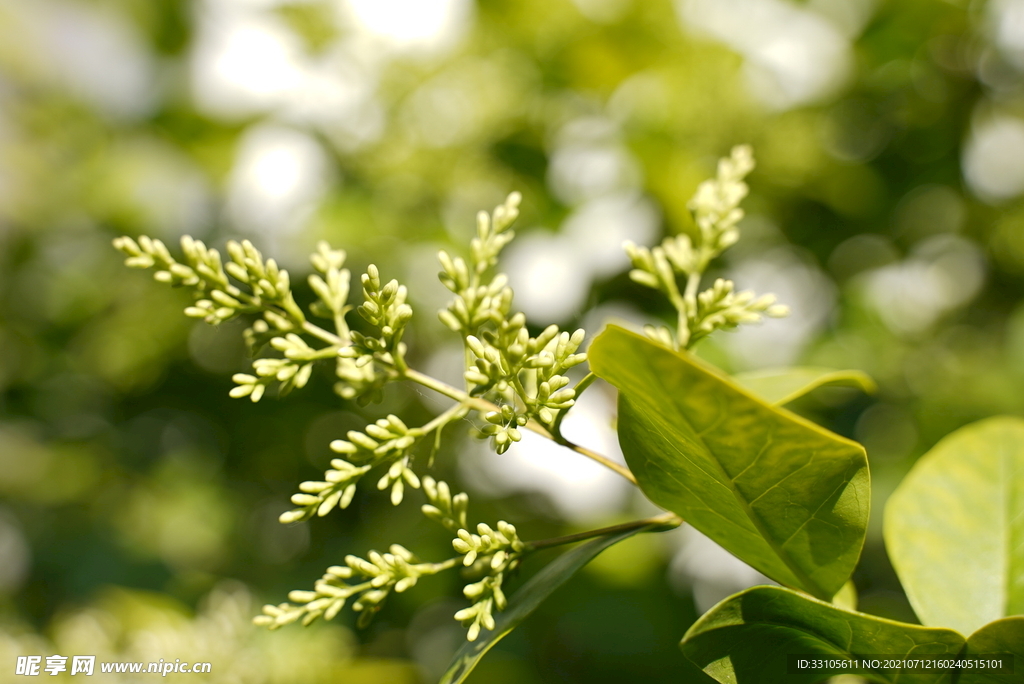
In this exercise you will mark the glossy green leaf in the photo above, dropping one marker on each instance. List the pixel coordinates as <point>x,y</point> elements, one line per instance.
<point>780,386</point>
<point>527,599</point>
<point>954,528</point>
<point>782,494</point>
<point>1004,636</point>
<point>749,637</point>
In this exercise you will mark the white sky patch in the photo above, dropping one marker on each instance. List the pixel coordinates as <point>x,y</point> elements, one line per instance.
<point>598,228</point>
<point>441,111</point>
<point>278,178</point>
<point>794,56</point>
<point>849,16</point>
<point>580,172</point>
<point>712,572</point>
<point>251,4</point>
<point>542,269</point>
<point>95,54</point>
<point>552,273</point>
<point>173,196</point>
<point>943,273</point>
<point>412,25</point>
<point>993,158</point>
<point>1006,27</point>
<point>243,62</point>
<point>246,61</point>
<point>591,170</point>
<point>589,161</point>
<point>336,93</point>
<point>797,283</point>
<point>582,490</point>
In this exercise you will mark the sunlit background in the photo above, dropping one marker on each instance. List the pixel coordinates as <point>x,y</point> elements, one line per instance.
<point>139,503</point>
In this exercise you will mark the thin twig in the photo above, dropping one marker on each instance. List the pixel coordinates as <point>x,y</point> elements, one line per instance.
<point>484,405</point>
<point>667,521</point>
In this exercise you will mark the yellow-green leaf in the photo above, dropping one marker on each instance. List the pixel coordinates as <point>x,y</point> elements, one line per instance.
<point>1000,638</point>
<point>780,386</point>
<point>782,494</point>
<point>846,598</point>
<point>954,528</point>
<point>750,637</point>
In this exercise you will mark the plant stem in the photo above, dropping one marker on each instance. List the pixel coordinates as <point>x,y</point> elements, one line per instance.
<point>692,284</point>
<point>326,336</point>
<point>592,455</point>
<point>667,521</point>
<point>688,312</point>
<point>584,383</point>
<point>581,386</point>
<point>442,419</point>
<point>484,405</point>
<point>330,352</point>
<point>434,568</point>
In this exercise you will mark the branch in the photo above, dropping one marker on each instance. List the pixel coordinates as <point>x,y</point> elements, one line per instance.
<point>484,405</point>
<point>663,522</point>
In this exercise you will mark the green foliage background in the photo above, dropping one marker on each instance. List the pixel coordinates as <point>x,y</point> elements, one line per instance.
<point>131,486</point>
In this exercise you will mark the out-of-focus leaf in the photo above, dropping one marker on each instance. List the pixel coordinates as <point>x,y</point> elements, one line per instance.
<point>1000,638</point>
<point>846,598</point>
<point>528,598</point>
<point>954,528</point>
<point>748,638</point>
<point>780,493</point>
<point>779,386</point>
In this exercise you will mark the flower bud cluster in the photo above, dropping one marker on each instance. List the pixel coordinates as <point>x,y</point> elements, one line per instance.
<point>474,306</point>
<point>385,309</point>
<point>715,205</point>
<point>382,573</point>
<point>269,284</point>
<point>502,426</point>
<point>721,308</point>
<point>398,475</point>
<point>495,551</point>
<point>331,284</point>
<point>319,497</point>
<point>359,377</point>
<point>293,371</point>
<point>371,361</point>
<point>524,375</point>
<point>388,439</point>
<point>450,511</point>
<point>218,300</point>
<point>478,301</point>
<point>652,267</point>
<point>493,232</point>
<point>486,596</point>
<point>203,272</point>
<point>508,361</point>
<point>716,211</point>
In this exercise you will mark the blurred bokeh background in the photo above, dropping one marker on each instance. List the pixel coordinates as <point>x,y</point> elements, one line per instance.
<point>138,503</point>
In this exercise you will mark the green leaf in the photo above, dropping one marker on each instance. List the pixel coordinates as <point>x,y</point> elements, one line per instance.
<point>749,637</point>
<point>846,598</point>
<point>780,386</point>
<point>954,528</point>
<point>780,493</point>
<point>1004,636</point>
<point>528,598</point>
